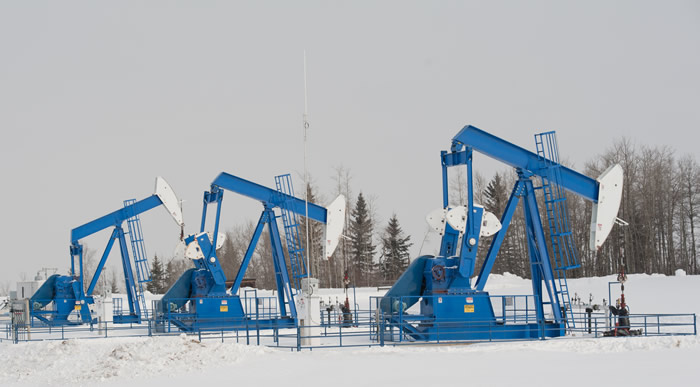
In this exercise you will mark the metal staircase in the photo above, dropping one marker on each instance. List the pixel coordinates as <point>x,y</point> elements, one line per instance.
<point>292,234</point>
<point>138,249</point>
<point>563,247</point>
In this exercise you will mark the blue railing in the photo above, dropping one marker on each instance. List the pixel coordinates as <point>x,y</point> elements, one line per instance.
<point>369,327</point>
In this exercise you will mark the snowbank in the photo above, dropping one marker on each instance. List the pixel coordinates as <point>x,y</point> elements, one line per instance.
<point>86,362</point>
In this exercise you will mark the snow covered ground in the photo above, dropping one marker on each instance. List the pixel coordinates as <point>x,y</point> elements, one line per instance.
<point>184,361</point>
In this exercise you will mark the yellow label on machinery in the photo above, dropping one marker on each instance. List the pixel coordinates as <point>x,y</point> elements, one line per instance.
<point>223,308</point>
<point>77,306</point>
<point>469,308</point>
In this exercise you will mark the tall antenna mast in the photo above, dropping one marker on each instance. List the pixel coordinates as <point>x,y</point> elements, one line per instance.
<point>306,179</point>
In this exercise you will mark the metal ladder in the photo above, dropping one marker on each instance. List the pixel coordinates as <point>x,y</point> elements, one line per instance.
<point>563,247</point>
<point>290,220</point>
<point>138,250</point>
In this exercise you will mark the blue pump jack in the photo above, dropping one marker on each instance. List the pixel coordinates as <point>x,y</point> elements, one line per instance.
<point>56,300</point>
<point>451,308</point>
<point>199,299</point>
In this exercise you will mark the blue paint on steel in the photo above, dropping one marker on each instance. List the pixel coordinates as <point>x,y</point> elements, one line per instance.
<point>102,262</point>
<point>131,294</point>
<point>269,195</point>
<point>539,256</point>
<point>212,265</point>
<point>284,286</point>
<point>512,205</point>
<point>178,294</point>
<point>114,218</point>
<point>45,293</point>
<point>518,157</point>
<point>409,285</point>
<point>59,290</point>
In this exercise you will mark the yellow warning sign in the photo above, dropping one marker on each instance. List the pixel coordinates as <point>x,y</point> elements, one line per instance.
<point>223,308</point>
<point>77,307</point>
<point>469,308</point>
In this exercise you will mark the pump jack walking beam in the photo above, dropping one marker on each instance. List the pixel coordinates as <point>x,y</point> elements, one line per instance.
<point>605,192</point>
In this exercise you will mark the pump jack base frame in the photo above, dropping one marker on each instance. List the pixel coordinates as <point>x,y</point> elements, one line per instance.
<point>427,329</point>
<point>219,314</point>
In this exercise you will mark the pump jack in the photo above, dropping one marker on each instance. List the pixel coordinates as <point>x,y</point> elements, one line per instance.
<point>200,300</point>
<point>67,293</point>
<point>451,308</point>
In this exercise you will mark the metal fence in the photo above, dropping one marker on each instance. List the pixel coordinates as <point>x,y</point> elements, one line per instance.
<point>605,324</point>
<point>338,328</point>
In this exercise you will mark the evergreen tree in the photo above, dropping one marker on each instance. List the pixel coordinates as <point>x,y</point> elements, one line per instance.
<point>157,284</point>
<point>361,247</point>
<point>395,255</point>
<point>229,257</point>
<point>496,195</point>
<point>114,283</point>
<point>313,251</point>
<point>496,200</point>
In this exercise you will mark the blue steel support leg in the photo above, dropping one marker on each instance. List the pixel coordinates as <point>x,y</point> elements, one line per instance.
<point>100,266</point>
<point>538,237</point>
<point>500,236</point>
<point>281,289</point>
<point>134,307</point>
<point>278,253</point>
<point>249,252</point>
<point>535,272</point>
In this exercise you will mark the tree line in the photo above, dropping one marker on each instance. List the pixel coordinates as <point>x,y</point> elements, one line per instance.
<point>660,201</point>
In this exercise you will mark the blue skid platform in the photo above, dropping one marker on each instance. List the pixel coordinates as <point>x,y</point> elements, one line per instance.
<point>467,317</point>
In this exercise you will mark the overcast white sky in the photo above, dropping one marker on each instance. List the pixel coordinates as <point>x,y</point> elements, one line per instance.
<point>98,98</point>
